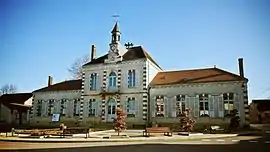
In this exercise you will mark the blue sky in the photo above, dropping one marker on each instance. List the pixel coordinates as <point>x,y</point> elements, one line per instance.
<point>39,38</point>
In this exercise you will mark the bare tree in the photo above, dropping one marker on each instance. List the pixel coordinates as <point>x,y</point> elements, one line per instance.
<point>186,120</point>
<point>8,89</point>
<point>234,121</point>
<point>76,68</point>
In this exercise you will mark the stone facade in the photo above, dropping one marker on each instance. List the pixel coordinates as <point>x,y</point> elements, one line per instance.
<point>145,70</point>
<point>215,91</point>
<point>129,78</point>
<point>55,102</point>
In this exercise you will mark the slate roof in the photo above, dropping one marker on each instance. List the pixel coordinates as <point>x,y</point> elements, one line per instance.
<point>194,76</point>
<point>18,98</point>
<point>115,28</point>
<point>133,53</point>
<point>63,86</point>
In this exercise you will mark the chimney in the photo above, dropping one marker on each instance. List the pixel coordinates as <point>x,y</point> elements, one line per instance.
<point>50,81</point>
<point>241,67</point>
<point>93,52</point>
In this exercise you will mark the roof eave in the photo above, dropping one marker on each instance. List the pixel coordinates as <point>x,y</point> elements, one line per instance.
<point>153,85</point>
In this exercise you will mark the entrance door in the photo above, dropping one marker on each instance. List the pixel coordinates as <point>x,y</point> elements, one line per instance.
<point>111,111</point>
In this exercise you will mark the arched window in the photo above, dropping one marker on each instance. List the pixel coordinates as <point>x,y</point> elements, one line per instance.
<point>112,79</point>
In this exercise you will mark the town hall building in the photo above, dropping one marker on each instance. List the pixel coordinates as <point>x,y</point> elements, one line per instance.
<point>128,77</point>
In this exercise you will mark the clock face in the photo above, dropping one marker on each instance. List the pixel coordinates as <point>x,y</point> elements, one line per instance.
<point>113,47</point>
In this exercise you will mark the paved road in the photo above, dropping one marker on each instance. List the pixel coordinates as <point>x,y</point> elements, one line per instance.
<point>240,143</point>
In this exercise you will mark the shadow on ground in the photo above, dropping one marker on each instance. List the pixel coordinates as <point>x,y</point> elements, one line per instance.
<point>242,146</point>
<point>162,148</point>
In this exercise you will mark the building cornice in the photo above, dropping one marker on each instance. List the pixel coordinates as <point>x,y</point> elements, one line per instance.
<point>197,84</point>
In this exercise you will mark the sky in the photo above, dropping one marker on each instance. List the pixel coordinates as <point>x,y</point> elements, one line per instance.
<point>39,38</point>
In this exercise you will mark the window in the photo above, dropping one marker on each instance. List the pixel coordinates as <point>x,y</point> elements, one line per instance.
<point>111,109</point>
<point>39,106</point>
<point>204,104</point>
<point>160,106</point>
<point>51,108</point>
<point>180,104</point>
<point>93,81</point>
<point>131,78</point>
<point>63,107</point>
<point>131,107</point>
<point>76,110</point>
<point>112,79</point>
<point>228,100</point>
<point>92,107</point>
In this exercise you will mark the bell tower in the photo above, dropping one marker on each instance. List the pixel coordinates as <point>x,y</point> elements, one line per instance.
<point>114,54</point>
<point>115,40</point>
<point>116,34</point>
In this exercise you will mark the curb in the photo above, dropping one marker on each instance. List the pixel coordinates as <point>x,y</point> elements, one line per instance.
<point>153,139</point>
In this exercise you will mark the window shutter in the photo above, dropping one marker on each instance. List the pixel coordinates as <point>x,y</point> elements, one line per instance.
<point>153,106</point>
<point>191,104</point>
<point>137,80</point>
<point>136,108</point>
<point>216,103</point>
<point>72,107</point>
<point>99,107</point>
<point>236,103</point>
<point>44,108</point>
<point>86,112</point>
<point>97,82</point>
<point>196,106</point>
<point>46,104</point>
<point>96,107</point>
<point>78,107</point>
<point>220,107</point>
<point>211,106</point>
<point>187,102</point>
<point>125,106</point>
<point>55,107</point>
<point>166,106</point>
<point>173,108</point>
<point>69,108</point>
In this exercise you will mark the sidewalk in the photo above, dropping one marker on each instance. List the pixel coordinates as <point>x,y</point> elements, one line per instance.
<point>133,139</point>
<point>127,136</point>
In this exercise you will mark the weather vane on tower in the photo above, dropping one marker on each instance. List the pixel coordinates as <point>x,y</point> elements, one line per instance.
<point>116,17</point>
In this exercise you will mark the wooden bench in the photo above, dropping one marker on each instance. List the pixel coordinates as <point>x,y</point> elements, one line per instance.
<point>166,130</point>
<point>213,129</point>
<point>76,130</point>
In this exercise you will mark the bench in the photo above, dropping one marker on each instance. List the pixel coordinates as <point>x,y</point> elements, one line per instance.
<point>76,130</point>
<point>166,130</point>
<point>213,129</point>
